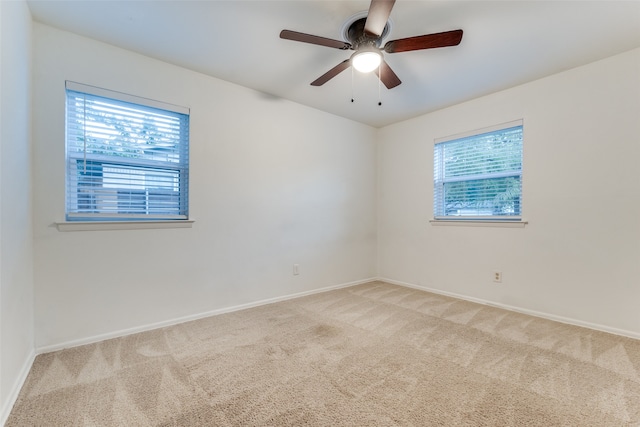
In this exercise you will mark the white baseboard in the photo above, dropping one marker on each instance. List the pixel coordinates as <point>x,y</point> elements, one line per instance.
<point>17,386</point>
<point>548,316</point>
<point>175,321</point>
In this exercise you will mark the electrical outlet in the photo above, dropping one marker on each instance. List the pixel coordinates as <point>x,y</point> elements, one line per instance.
<point>497,276</point>
<point>296,269</point>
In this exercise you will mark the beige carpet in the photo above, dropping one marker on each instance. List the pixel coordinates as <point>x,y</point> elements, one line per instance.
<point>370,355</point>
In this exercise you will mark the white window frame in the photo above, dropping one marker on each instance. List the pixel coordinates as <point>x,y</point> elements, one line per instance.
<point>177,166</point>
<point>440,217</point>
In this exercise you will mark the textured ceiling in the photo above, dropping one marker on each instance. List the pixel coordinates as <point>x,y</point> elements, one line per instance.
<point>505,43</point>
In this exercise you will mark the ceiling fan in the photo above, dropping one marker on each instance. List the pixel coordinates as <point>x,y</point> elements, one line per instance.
<point>365,35</point>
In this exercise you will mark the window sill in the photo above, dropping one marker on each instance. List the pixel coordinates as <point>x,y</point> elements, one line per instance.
<point>121,225</point>
<point>479,223</point>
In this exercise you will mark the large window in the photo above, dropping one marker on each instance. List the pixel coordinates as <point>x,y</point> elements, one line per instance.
<point>479,176</point>
<point>127,157</point>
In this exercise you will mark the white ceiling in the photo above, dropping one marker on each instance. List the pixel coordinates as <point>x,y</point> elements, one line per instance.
<point>505,43</point>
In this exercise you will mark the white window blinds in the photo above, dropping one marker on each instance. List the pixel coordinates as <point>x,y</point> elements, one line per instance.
<point>127,157</point>
<point>479,176</point>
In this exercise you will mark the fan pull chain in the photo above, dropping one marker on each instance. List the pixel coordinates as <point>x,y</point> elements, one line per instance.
<point>351,84</point>
<point>379,84</point>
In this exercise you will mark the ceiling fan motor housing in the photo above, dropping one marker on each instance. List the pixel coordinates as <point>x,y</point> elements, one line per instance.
<point>360,39</point>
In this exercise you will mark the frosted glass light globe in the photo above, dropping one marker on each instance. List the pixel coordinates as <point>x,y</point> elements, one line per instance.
<point>366,61</point>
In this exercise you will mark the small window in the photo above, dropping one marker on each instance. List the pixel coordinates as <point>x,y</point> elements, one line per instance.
<point>127,157</point>
<point>478,176</point>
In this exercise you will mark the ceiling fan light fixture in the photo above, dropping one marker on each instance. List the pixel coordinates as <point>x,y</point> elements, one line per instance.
<point>366,61</point>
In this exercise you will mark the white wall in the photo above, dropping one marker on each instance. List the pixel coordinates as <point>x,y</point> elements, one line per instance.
<point>16,247</point>
<point>273,183</point>
<point>579,257</point>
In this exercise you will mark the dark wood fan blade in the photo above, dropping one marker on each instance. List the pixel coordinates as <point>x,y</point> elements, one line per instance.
<point>331,73</point>
<point>387,76</point>
<point>428,41</point>
<point>308,38</point>
<point>378,15</point>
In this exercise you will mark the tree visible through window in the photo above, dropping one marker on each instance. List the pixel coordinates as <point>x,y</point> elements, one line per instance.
<point>127,157</point>
<point>479,176</point>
